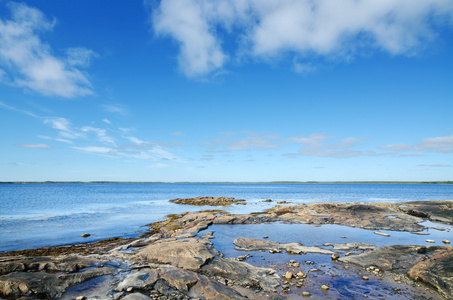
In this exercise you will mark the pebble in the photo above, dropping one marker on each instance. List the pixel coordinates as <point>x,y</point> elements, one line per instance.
<point>272,272</point>
<point>300,274</point>
<point>265,237</point>
<point>335,256</point>
<point>446,241</point>
<point>306,294</point>
<point>289,275</point>
<point>129,289</point>
<point>325,287</point>
<point>430,241</point>
<point>81,298</point>
<point>365,278</point>
<point>85,235</point>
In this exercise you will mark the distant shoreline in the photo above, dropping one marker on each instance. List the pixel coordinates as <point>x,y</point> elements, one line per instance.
<point>228,182</point>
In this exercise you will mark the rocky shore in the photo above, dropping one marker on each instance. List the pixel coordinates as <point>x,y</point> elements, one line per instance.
<point>178,259</point>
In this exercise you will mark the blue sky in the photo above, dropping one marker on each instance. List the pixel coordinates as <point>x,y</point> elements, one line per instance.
<point>227,90</point>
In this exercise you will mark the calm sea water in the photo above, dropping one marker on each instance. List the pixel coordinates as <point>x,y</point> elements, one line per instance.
<point>37,215</point>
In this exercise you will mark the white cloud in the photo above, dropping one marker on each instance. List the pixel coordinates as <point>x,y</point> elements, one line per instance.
<point>319,145</point>
<point>98,150</point>
<point>304,28</point>
<point>187,22</point>
<point>442,144</point>
<point>31,145</point>
<point>244,140</point>
<point>178,133</point>
<point>29,61</point>
<point>101,134</point>
<point>135,140</point>
<point>64,127</point>
<point>107,121</point>
<point>115,108</point>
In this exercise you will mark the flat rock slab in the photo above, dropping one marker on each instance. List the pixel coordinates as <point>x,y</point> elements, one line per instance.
<point>44,285</point>
<point>249,244</point>
<point>351,246</point>
<point>430,264</point>
<point>189,254</point>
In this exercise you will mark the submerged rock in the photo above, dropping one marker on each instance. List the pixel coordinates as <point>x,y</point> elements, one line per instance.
<point>249,244</point>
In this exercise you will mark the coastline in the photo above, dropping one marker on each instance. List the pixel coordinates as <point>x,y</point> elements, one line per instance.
<point>124,263</point>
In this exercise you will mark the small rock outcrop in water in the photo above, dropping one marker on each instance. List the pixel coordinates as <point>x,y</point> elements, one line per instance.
<point>248,244</point>
<point>208,200</point>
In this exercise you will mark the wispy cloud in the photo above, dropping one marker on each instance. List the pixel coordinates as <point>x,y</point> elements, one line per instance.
<point>100,133</point>
<point>64,127</point>
<point>33,146</point>
<point>321,145</point>
<point>304,28</point>
<point>442,144</point>
<point>178,133</point>
<point>94,149</point>
<point>4,105</point>
<point>243,140</point>
<point>115,108</point>
<point>28,62</point>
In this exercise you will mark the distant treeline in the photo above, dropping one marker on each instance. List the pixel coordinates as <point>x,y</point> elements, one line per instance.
<point>231,182</point>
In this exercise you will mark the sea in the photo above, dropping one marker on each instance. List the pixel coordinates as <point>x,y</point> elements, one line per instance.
<point>42,215</point>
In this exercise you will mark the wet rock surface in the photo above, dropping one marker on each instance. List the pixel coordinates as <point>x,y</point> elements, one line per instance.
<point>432,265</point>
<point>175,260</point>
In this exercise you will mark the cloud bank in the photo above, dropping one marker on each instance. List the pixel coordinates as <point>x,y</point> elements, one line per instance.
<point>27,61</point>
<point>303,28</point>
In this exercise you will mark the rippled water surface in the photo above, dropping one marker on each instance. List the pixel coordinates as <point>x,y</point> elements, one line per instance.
<point>36,215</point>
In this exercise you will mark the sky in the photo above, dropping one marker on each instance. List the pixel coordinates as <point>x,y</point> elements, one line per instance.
<point>226,90</point>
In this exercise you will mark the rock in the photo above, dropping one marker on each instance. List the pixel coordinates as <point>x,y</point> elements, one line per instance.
<point>325,287</point>
<point>144,279</point>
<point>289,275</point>
<point>206,288</point>
<point>335,256</point>
<point>208,235</point>
<point>366,278</point>
<point>241,258</point>
<point>382,233</point>
<point>212,201</point>
<point>248,244</point>
<point>135,296</point>
<point>446,241</point>
<point>188,254</point>
<point>81,298</point>
<point>46,285</point>
<point>306,294</point>
<point>265,237</point>
<point>432,265</point>
<point>350,246</point>
<point>241,273</point>
<point>430,241</point>
<point>85,235</point>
